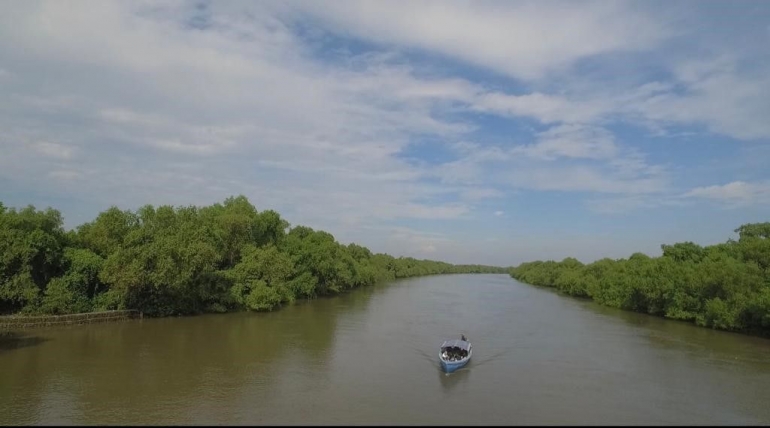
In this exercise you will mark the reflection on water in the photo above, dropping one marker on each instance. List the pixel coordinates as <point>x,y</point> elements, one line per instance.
<point>371,357</point>
<point>14,340</point>
<point>161,370</point>
<point>705,344</point>
<point>450,381</point>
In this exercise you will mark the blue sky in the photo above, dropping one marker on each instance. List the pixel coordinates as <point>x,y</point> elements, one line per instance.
<point>479,132</point>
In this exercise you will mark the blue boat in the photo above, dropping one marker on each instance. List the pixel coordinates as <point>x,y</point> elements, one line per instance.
<point>455,354</point>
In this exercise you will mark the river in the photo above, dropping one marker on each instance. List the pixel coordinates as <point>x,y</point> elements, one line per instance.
<point>370,358</point>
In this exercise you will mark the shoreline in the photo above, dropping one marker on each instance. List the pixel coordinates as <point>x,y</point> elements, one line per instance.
<point>23,322</point>
<point>10,323</point>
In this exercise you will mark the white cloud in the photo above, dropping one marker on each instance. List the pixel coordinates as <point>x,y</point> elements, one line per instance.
<point>499,213</point>
<point>617,205</point>
<point>472,167</point>
<point>545,108</point>
<point>478,193</point>
<point>125,116</point>
<point>416,243</point>
<point>573,141</point>
<point>568,157</point>
<point>156,111</point>
<point>727,102</point>
<point>65,174</point>
<point>582,178</point>
<point>632,203</point>
<point>51,149</point>
<point>522,39</point>
<point>299,124</point>
<point>167,134</point>
<point>736,193</point>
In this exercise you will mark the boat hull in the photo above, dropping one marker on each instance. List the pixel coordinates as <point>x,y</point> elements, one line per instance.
<point>451,349</point>
<point>451,366</point>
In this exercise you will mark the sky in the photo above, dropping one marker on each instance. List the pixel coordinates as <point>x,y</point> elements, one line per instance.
<point>492,132</point>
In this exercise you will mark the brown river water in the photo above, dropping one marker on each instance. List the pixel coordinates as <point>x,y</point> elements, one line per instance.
<point>370,357</point>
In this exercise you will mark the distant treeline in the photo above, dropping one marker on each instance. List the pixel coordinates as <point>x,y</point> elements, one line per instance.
<point>724,286</point>
<point>185,260</point>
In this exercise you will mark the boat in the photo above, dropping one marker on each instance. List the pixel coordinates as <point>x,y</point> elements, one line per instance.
<point>455,354</point>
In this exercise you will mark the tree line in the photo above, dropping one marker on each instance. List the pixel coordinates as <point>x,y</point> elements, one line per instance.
<point>183,260</point>
<point>724,286</point>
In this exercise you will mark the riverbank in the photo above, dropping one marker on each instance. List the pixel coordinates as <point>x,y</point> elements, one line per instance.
<point>724,286</point>
<point>167,261</point>
<point>15,322</point>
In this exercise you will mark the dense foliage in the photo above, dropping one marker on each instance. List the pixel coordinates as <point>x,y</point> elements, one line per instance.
<point>724,286</point>
<point>186,260</point>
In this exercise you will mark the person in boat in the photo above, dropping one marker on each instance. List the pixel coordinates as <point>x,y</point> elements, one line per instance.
<point>463,337</point>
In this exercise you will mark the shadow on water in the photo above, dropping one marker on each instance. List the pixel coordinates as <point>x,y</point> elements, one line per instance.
<point>15,340</point>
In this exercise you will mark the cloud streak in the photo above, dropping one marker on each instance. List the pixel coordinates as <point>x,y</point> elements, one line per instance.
<point>734,194</point>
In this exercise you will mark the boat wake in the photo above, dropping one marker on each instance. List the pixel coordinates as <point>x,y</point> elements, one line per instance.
<point>494,357</point>
<point>476,362</point>
<point>427,357</point>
